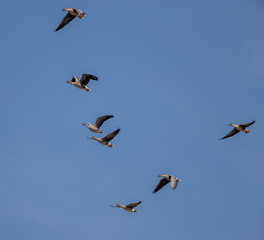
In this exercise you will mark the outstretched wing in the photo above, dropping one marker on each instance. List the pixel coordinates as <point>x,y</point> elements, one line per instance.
<point>247,124</point>
<point>133,205</point>
<point>86,78</point>
<point>110,136</point>
<point>100,120</point>
<point>232,133</point>
<point>68,18</point>
<point>161,184</point>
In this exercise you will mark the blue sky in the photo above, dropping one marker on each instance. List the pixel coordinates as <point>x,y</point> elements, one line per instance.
<point>174,74</point>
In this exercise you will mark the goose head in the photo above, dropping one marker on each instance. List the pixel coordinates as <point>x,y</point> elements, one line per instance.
<point>162,175</point>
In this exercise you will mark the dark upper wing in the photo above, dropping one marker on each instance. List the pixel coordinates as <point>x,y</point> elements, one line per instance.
<point>132,205</point>
<point>232,133</point>
<point>161,184</point>
<point>100,120</point>
<point>86,78</point>
<point>65,21</point>
<point>110,136</point>
<point>247,124</point>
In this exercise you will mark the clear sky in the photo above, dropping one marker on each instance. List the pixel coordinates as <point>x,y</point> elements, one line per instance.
<point>174,74</point>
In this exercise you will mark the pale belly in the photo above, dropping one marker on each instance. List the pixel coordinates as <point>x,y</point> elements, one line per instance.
<point>104,143</point>
<point>128,209</point>
<point>79,86</point>
<point>241,129</point>
<point>94,129</point>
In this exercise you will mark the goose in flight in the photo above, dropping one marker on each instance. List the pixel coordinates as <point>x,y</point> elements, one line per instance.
<point>82,84</point>
<point>165,180</point>
<point>99,122</point>
<point>72,13</point>
<point>130,207</point>
<point>238,128</point>
<point>106,140</point>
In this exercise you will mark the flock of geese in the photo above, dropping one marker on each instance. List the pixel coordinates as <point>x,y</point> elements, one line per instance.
<point>82,84</point>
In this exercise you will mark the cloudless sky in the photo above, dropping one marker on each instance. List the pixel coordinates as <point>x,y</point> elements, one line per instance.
<point>174,74</point>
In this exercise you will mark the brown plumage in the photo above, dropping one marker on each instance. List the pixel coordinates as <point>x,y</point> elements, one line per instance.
<point>99,122</point>
<point>82,83</point>
<point>238,128</point>
<point>72,13</point>
<point>165,180</point>
<point>106,140</point>
<point>130,207</point>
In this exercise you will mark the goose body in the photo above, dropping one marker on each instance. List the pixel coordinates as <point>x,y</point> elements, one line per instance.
<point>99,122</point>
<point>165,180</point>
<point>72,13</point>
<point>238,128</point>
<point>130,207</point>
<point>82,83</point>
<point>106,140</point>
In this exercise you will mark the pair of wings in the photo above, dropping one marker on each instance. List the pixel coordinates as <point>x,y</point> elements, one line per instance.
<point>235,131</point>
<point>164,181</point>
<point>111,135</point>
<point>86,78</point>
<point>99,121</point>
<point>131,205</point>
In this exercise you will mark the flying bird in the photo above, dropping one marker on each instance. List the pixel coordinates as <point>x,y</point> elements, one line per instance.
<point>99,122</point>
<point>106,140</point>
<point>72,13</point>
<point>238,128</point>
<point>130,207</point>
<point>165,180</point>
<point>82,84</point>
